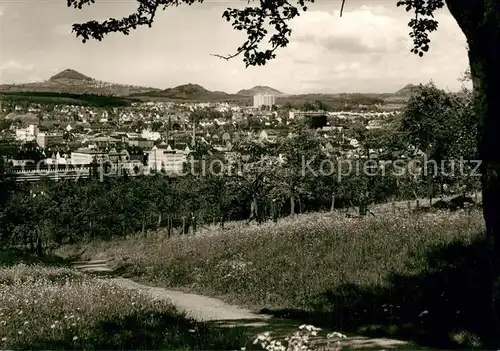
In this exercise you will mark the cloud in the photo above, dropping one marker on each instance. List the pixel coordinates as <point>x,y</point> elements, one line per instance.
<point>16,66</point>
<point>62,30</point>
<point>364,30</point>
<point>368,49</point>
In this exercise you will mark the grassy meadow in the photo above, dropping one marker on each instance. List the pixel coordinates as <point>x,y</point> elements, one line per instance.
<point>408,276</point>
<point>59,308</point>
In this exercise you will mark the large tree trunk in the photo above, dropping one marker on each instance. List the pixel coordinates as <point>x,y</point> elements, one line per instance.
<point>480,22</point>
<point>484,56</point>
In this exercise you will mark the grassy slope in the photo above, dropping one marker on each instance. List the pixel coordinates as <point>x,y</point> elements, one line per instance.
<point>65,98</point>
<point>57,308</point>
<point>379,275</point>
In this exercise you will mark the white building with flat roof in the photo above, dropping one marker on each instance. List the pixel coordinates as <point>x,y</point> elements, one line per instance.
<point>263,100</point>
<point>164,158</point>
<point>27,134</point>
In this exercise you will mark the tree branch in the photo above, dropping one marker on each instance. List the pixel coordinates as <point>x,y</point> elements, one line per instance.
<point>144,15</point>
<point>276,14</point>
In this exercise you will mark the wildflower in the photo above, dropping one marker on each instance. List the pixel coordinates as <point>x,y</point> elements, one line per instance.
<point>4,339</point>
<point>53,326</point>
<point>423,313</point>
<point>26,322</point>
<point>19,332</point>
<point>75,338</point>
<point>191,330</point>
<point>336,335</point>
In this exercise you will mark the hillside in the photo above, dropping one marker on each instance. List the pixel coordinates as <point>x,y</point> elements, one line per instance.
<point>52,98</point>
<point>70,81</point>
<point>406,90</point>
<point>70,75</point>
<point>402,95</point>
<point>191,92</point>
<point>75,83</point>
<point>259,89</point>
<point>332,100</point>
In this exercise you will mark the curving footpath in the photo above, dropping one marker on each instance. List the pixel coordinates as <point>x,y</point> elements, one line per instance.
<point>203,308</point>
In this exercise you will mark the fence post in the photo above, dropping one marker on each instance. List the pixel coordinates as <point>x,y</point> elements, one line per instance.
<point>409,206</point>
<point>184,225</point>
<point>193,220</point>
<point>169,226</point>
<point>418,204</point>
<point>393,207</point>
<point>275,211</point>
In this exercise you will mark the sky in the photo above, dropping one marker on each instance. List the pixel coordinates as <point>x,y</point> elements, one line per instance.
<point>367,50</point>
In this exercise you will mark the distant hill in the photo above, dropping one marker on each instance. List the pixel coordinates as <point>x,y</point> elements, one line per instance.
<point>69,84</point>
<point>70,81</point>
<point>407,90</point>
<point>333,99</point>
<point>402,95</point>
<point>70,75</point>
<point>190,92</point>
<point>260,89</point>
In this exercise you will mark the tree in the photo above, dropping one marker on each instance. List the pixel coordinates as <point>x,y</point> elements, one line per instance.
<point>30,151</point>
<point>478,20</point>
<point>315,122</point>
<point>5,124</point>
<point>256,163</point>
<point>156,126</point>
<point>293,179</point>
<point>441,125</point>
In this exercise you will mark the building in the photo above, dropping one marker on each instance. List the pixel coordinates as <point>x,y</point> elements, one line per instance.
<point>105,141</point>
<point>27,134</point>
<point>45,140</point>
<point>303,114</point>
<point>149,135</point>
<point>268,135</point>
<point>164,158</point>
<point>141,142</point>
<point>263,100</point>
<point>86,156</point>
<point>374,124</point>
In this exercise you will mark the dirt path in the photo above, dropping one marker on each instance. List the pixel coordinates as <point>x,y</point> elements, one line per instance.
<point>198,307</point>
<point>203,308</point>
